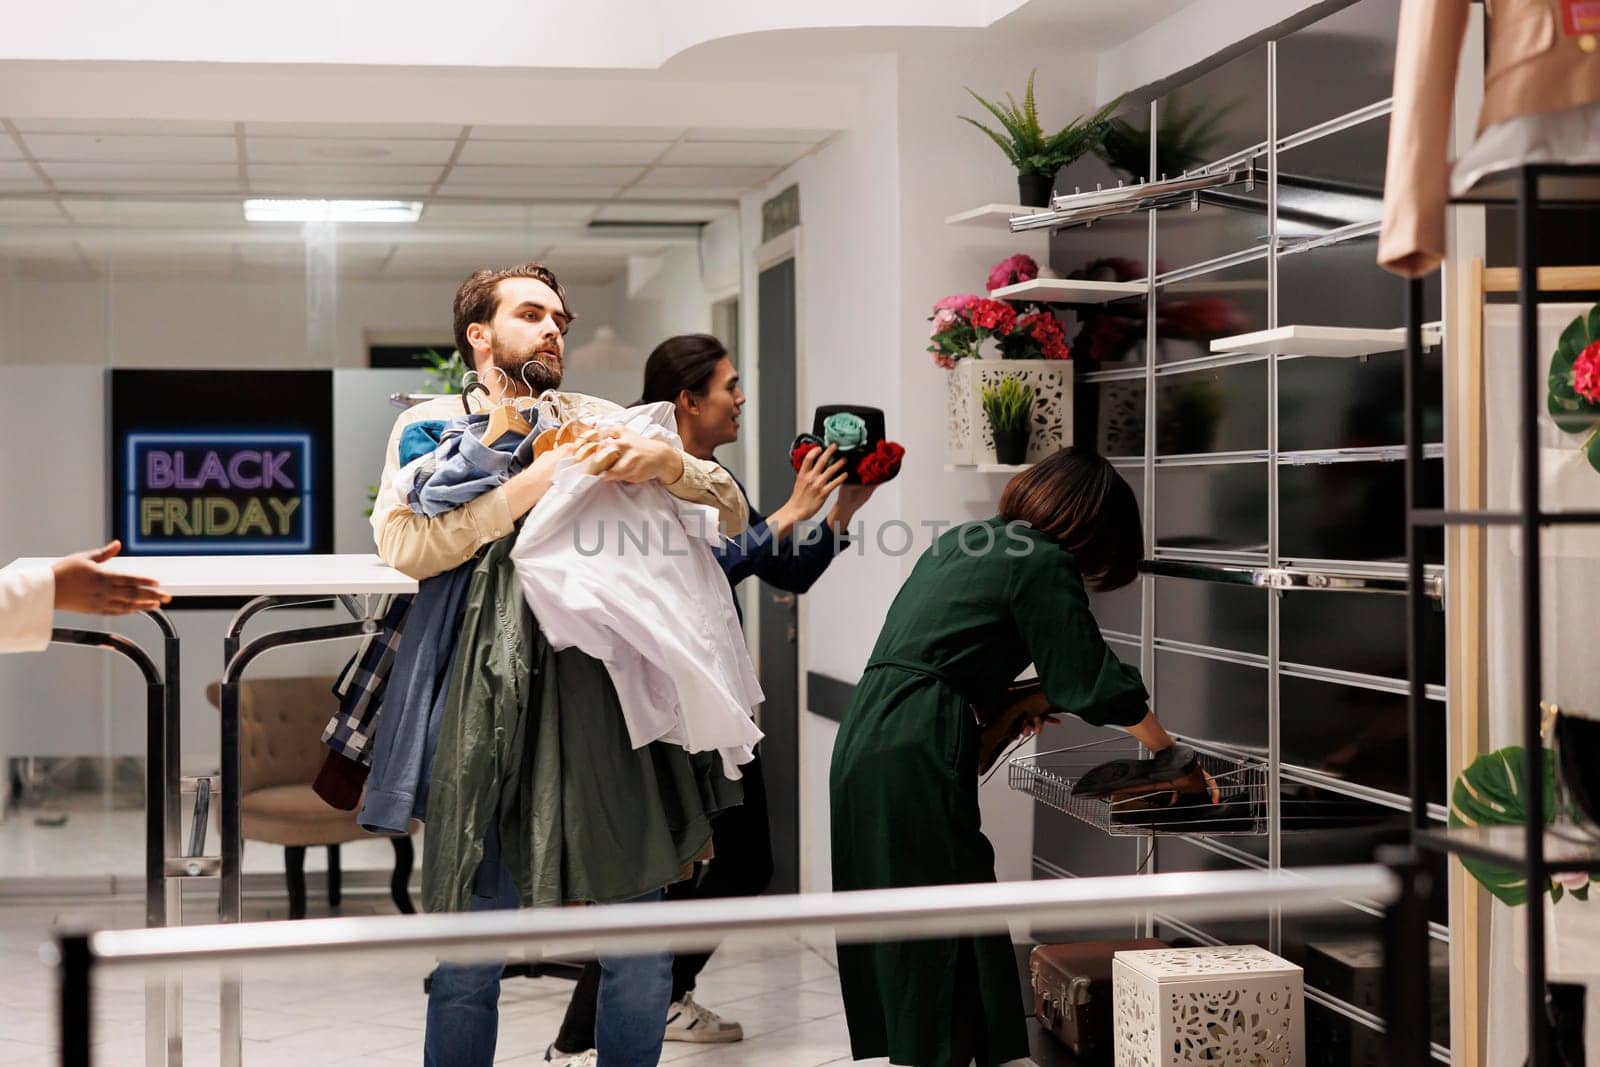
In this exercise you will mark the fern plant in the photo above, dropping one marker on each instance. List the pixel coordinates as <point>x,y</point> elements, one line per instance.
<point>1009,405</point>
<point>1024,141</point>
<point>1185,138</point>
<point>444,372</point>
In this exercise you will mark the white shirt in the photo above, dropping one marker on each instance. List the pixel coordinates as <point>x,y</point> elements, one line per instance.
<point>27,606</point>
<point>625,573</point>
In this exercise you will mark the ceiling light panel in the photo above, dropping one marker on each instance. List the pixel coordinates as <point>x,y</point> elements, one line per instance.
<point>108,148</point>
<point>284,210</point>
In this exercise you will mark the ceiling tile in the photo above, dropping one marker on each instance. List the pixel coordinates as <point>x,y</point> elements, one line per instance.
<point>111,148</point>
<point>562,153</point>
<point>32,211</point>
<point>381,131</point>
<point>576,133</point>
<point>689,177</point>
<point>508,214</point>
<point>793,136</point>
<point>660,213</point>
<point>181,213</point>
<point>348,174</point>
<point>158,127</point>
<point>161,187</point>
<point>173,172</point>
<point>338,190</point>
<point>735,153</point>
<point>700,192</point>
<point>519,178</point>
<point>62,268</point>
<point>346,151</point>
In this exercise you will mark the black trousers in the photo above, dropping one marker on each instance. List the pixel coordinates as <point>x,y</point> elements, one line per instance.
<point>741,866</point>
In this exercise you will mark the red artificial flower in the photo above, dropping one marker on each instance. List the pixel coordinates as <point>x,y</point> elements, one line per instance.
<point>996,316</point>
<point>881,464</point>
<point>1045,331</point>
<point>1586,373</point>
<point>798,456</point>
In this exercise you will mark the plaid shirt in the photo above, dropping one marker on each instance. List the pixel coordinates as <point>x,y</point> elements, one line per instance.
<point>361,684</point>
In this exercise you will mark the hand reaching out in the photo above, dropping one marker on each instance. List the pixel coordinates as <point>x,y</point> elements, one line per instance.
<point>83,585</point>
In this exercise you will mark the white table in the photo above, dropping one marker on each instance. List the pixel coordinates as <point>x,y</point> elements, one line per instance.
<point>356,581</point>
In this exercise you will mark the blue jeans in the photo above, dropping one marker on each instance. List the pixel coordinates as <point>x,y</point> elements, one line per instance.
<point>464,1021</point>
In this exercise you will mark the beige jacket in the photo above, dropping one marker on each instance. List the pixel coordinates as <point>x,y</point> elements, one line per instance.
<point>27,607</point>
<point>1534,68</point>
<point>422,547</point>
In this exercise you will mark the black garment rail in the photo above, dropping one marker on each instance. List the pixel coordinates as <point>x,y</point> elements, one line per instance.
<point>1525,188</point>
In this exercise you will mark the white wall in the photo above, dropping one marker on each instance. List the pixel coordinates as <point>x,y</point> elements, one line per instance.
<point>57,338</point>
<point>874,255</point>
<point>196,322</point>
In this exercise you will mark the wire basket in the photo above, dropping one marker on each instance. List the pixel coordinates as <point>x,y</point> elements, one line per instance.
<point>1049,777</point>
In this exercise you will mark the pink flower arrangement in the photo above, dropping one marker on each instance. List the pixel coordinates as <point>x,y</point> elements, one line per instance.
<point>1586,373</point>
<point>962,323</point>
<point>1013,270</point>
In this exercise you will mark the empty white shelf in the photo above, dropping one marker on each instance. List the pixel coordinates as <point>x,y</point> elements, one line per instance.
<point>1068,291</point>
<point>1333,341</point>
<point>995,216</point>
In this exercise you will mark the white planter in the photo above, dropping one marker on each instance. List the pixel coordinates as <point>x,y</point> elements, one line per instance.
<point>1225,1005</point>
<point>970,440</point>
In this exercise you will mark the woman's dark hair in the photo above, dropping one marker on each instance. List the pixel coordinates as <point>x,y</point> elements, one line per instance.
<point>678,363</point>
<point>1079,499</point>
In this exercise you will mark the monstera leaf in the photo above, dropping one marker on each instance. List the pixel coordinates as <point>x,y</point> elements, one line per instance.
<point>1489,793</point>
<point>1572,412</point>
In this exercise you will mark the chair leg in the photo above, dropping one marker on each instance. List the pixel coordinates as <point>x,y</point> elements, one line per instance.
<point>294,872</point>
<point>400,883</point>
<point>335,877</point>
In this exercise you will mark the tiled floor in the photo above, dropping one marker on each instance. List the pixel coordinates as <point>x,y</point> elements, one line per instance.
<point>372,1012</point>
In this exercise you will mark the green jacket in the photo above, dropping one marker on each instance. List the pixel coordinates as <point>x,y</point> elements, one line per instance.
<point>535,738</point>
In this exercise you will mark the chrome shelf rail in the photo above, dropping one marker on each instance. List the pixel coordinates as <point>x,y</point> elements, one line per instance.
<point>1292,577</point>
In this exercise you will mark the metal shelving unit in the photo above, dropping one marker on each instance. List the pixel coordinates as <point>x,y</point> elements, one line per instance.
<point>1533,848</point>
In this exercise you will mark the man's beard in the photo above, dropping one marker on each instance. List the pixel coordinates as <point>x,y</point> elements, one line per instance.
<point>527,368</point>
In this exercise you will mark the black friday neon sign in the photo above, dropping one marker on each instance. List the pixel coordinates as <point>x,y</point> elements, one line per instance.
<point>218,493</point>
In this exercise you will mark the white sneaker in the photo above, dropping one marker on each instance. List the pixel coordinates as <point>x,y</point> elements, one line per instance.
<point>556,1058</point>
<point>689,1021</point>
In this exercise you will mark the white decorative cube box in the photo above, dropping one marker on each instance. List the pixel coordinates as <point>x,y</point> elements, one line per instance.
<point>1241,1006</point>
<point>970,439</point>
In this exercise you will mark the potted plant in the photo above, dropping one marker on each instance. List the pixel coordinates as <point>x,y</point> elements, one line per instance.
<point>1009,406</point>
<point>1037,156</point>
<point>968,333</point>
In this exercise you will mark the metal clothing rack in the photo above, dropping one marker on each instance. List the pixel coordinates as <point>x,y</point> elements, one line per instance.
<point>1533,189</point>
<point>860,916</point>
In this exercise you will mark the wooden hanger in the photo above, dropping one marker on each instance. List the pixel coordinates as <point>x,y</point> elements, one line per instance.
<point>504,419</point>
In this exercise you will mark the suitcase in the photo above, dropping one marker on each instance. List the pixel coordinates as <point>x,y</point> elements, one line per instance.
<point>1072,991</point>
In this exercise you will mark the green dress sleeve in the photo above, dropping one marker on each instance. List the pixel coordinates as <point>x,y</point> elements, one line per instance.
<point>1080,673</point>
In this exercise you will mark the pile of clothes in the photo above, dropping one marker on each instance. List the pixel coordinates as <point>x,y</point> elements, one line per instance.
<point>590,701</point>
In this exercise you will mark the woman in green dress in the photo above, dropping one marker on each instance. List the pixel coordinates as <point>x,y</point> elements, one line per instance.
<point>983,602</point>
